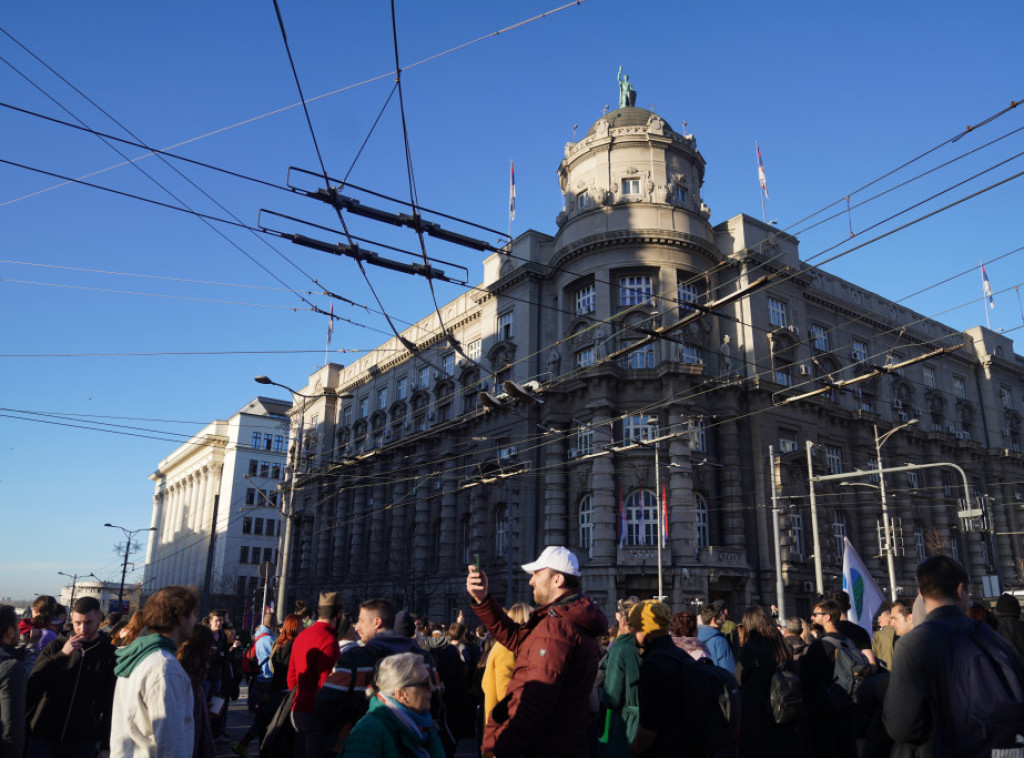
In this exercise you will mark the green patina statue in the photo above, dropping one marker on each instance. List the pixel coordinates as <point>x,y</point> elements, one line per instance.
<point>627,95</point>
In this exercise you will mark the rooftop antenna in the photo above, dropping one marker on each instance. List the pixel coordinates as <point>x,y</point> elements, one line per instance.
<point>574,128</point>
<point>604,110</point>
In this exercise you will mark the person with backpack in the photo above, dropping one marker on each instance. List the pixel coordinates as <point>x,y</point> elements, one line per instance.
<point>840,678</point>
<point>957,687</point>
<point>710,633</point>
<point>688,709</point>
<point>256,668</point>
<point>764,655</point>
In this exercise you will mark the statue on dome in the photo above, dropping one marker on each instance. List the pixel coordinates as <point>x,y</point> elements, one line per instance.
<point>627,95</point>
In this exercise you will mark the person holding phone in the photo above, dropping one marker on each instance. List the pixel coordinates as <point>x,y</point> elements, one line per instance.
<point>545,711</point>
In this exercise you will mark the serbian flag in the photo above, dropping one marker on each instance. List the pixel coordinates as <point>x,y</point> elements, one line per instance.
<point>760,171</point>
<point>664,514</point>
<point>986,287</point>
<point>622,520</point>
<point>330,327</point>
<point>511,191</point>
<point>865,596</point>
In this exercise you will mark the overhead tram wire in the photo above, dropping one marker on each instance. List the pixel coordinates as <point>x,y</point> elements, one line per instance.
<point>179,353</point>
<point>315,98</point>
<point>155,181</point>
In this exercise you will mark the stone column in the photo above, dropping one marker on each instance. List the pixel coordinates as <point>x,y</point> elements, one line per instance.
<point>555,493</point>
<point>358,532</point>
<point>734,528</point>
<point>422,548</point>
<point>448,523</point>
<point>682,528</point>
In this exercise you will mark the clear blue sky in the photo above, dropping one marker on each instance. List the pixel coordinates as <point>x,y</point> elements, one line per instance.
<point>837,97</point>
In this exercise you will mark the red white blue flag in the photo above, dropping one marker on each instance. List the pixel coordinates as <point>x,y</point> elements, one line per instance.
<point>664,514</point>
<point>986,287</point>
<point>760,171</point>
<point>511,192</point>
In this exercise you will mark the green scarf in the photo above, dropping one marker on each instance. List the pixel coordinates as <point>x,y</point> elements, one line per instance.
<point>131,656</point>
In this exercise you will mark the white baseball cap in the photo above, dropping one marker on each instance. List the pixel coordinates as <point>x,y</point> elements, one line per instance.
<point>557,558</point>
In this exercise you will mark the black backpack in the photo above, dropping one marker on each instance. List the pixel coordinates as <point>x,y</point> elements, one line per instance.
<point>986,697</point>
<point>786,694</point>
<point>710,702</point>
<point>850,667</point>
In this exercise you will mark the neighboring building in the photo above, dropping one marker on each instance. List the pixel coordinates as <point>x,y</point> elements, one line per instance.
<point>400,486</point>
<point>105,592</point>
<point>216,507</point>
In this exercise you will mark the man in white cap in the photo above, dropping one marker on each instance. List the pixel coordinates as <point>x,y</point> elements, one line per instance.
<point>545,711</point>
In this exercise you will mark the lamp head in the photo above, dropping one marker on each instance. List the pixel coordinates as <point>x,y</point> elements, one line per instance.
<point>261,379</point>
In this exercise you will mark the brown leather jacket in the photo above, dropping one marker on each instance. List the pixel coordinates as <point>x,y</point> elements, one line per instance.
<point>545,711</point>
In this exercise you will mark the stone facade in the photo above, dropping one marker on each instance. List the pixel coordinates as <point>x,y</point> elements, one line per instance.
<point>406,482</point>
<point>216,506</point>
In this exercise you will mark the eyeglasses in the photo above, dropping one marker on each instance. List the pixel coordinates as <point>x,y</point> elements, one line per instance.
<point>424,683</point>
<point>817,613</point>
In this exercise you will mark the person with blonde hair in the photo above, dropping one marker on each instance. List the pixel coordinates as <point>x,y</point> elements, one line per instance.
<point>398,723</point>
<point>500,662</point>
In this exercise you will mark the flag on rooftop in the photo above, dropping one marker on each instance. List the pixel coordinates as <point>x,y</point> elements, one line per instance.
<point>986,287</point>
<point>865,596</point>
<point>760,171</point>
<point>511,192</point>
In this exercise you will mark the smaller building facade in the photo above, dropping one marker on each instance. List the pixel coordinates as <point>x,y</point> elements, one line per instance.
<point>105,592</point>
<point>216,508</point>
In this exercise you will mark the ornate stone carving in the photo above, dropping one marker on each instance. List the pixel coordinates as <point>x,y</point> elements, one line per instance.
<point>601,128</point>
<point>655,125</point>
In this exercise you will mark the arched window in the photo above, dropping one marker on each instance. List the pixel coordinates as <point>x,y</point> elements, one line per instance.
<point>701,522</point>
<point>641,518</point>
<point>587,525</point>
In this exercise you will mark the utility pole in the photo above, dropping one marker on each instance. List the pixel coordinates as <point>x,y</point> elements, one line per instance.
<point>74,584</point>
<point>779,587</point>
<point>819,579</point>
<point>886,521</point>
<point>128,533</point>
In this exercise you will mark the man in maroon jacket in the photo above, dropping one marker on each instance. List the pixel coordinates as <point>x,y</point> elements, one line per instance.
<point>545,711</point>
<point>313,655</point>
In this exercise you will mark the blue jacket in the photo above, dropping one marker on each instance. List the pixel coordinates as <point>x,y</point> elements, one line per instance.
<point>719,647</point>
<point>264,646</point>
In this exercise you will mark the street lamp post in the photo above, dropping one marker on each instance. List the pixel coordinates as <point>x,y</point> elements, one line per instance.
<point>74,584</point>
<point>128,533</point>
<point>886,523</point>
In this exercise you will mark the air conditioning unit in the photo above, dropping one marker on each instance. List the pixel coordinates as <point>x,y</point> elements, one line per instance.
<point>573,452</point>
<point>808,586</point>
<point>794,329</point>
<point>507,451</point>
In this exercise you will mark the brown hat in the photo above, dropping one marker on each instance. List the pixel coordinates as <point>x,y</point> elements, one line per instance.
<point>651,617</point>
<point>329,600</point>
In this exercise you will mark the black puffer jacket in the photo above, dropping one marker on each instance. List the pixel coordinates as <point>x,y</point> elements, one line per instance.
<point>70,696</point>
<point>12,703</point>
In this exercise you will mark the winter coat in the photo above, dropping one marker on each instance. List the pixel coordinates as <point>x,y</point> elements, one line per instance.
<point>314,652</point>
<point>12,703</point>
<point>69,697</point>
<point>619,693</point>
<point>379,734</point>
<point>693,647</point>
<point>203,746</point>
<point>264,644</point>
<point>152,713</point>
<point>1011,629</point>
<point>497,673</point>
<point>546,710</point>
<point>719,647</point>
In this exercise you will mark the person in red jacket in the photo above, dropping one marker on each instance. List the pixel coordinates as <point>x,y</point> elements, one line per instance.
<point>313,655</point>
<point>545,711</point>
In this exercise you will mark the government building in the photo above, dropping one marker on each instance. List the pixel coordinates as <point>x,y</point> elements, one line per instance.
<point>626,376</point>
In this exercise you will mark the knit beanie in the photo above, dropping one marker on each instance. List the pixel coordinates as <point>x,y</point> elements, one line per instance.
<point>651,617</point>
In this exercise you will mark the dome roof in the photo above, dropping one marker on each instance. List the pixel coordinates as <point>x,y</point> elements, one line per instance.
<point>628,117</point>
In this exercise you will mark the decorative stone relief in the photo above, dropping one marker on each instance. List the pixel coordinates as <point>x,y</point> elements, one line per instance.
<point>705,211</point>
<point>655,125</point>
<point>601,128</point>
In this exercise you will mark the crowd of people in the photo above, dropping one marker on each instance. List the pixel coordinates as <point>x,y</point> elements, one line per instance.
<point>935,675</point>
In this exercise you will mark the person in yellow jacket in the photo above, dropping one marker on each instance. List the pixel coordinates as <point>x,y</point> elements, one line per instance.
<point>500,662</point>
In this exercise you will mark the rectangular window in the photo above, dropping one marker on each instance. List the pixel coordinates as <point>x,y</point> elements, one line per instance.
<point>275,471</point>
<point>474,349</point>
<point>584,357</point>
<point>872,465</point>
<point>635,290</point>
<point>959,387</point>
<point>250,496</point>
<point>789,441</point>
<point>254,467</point>
<point>687,292</point>
<point>254,555</point>
<point>819,335</point>
<point>403,388</point>
<point>268,554</point>
<point>912,481</point>
<point>692,355</point>
<point>505,326</point>
<point>698,436</point>
<point>424,378</point>
<point>258,526</point>
<point>586,300</point>
<point>777,313</point>
<point>929,378</point>
<point>272,499</point>
<point>243,554</point>
<point>257,438</point>
<point>265,468</point>
<point>268,442</point>
<point>364,407</point>
<point>584,441</point>
<point>382,399</point>
<point>444,412</point>
<point>582,200</point>
<point>630,186</point>
<point>636,429</point>
<point>947,483</point>
<point>278,443</point>
<point>679,194</point>
<point>470,400</point>
<point>784,376</point>
<point>796,529</point>
<point>346,415</point>
<point>247,525</point>
<point>859,352</point>
<point>641,358</point>
<point>834,459</point>
<point>448,364</point>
